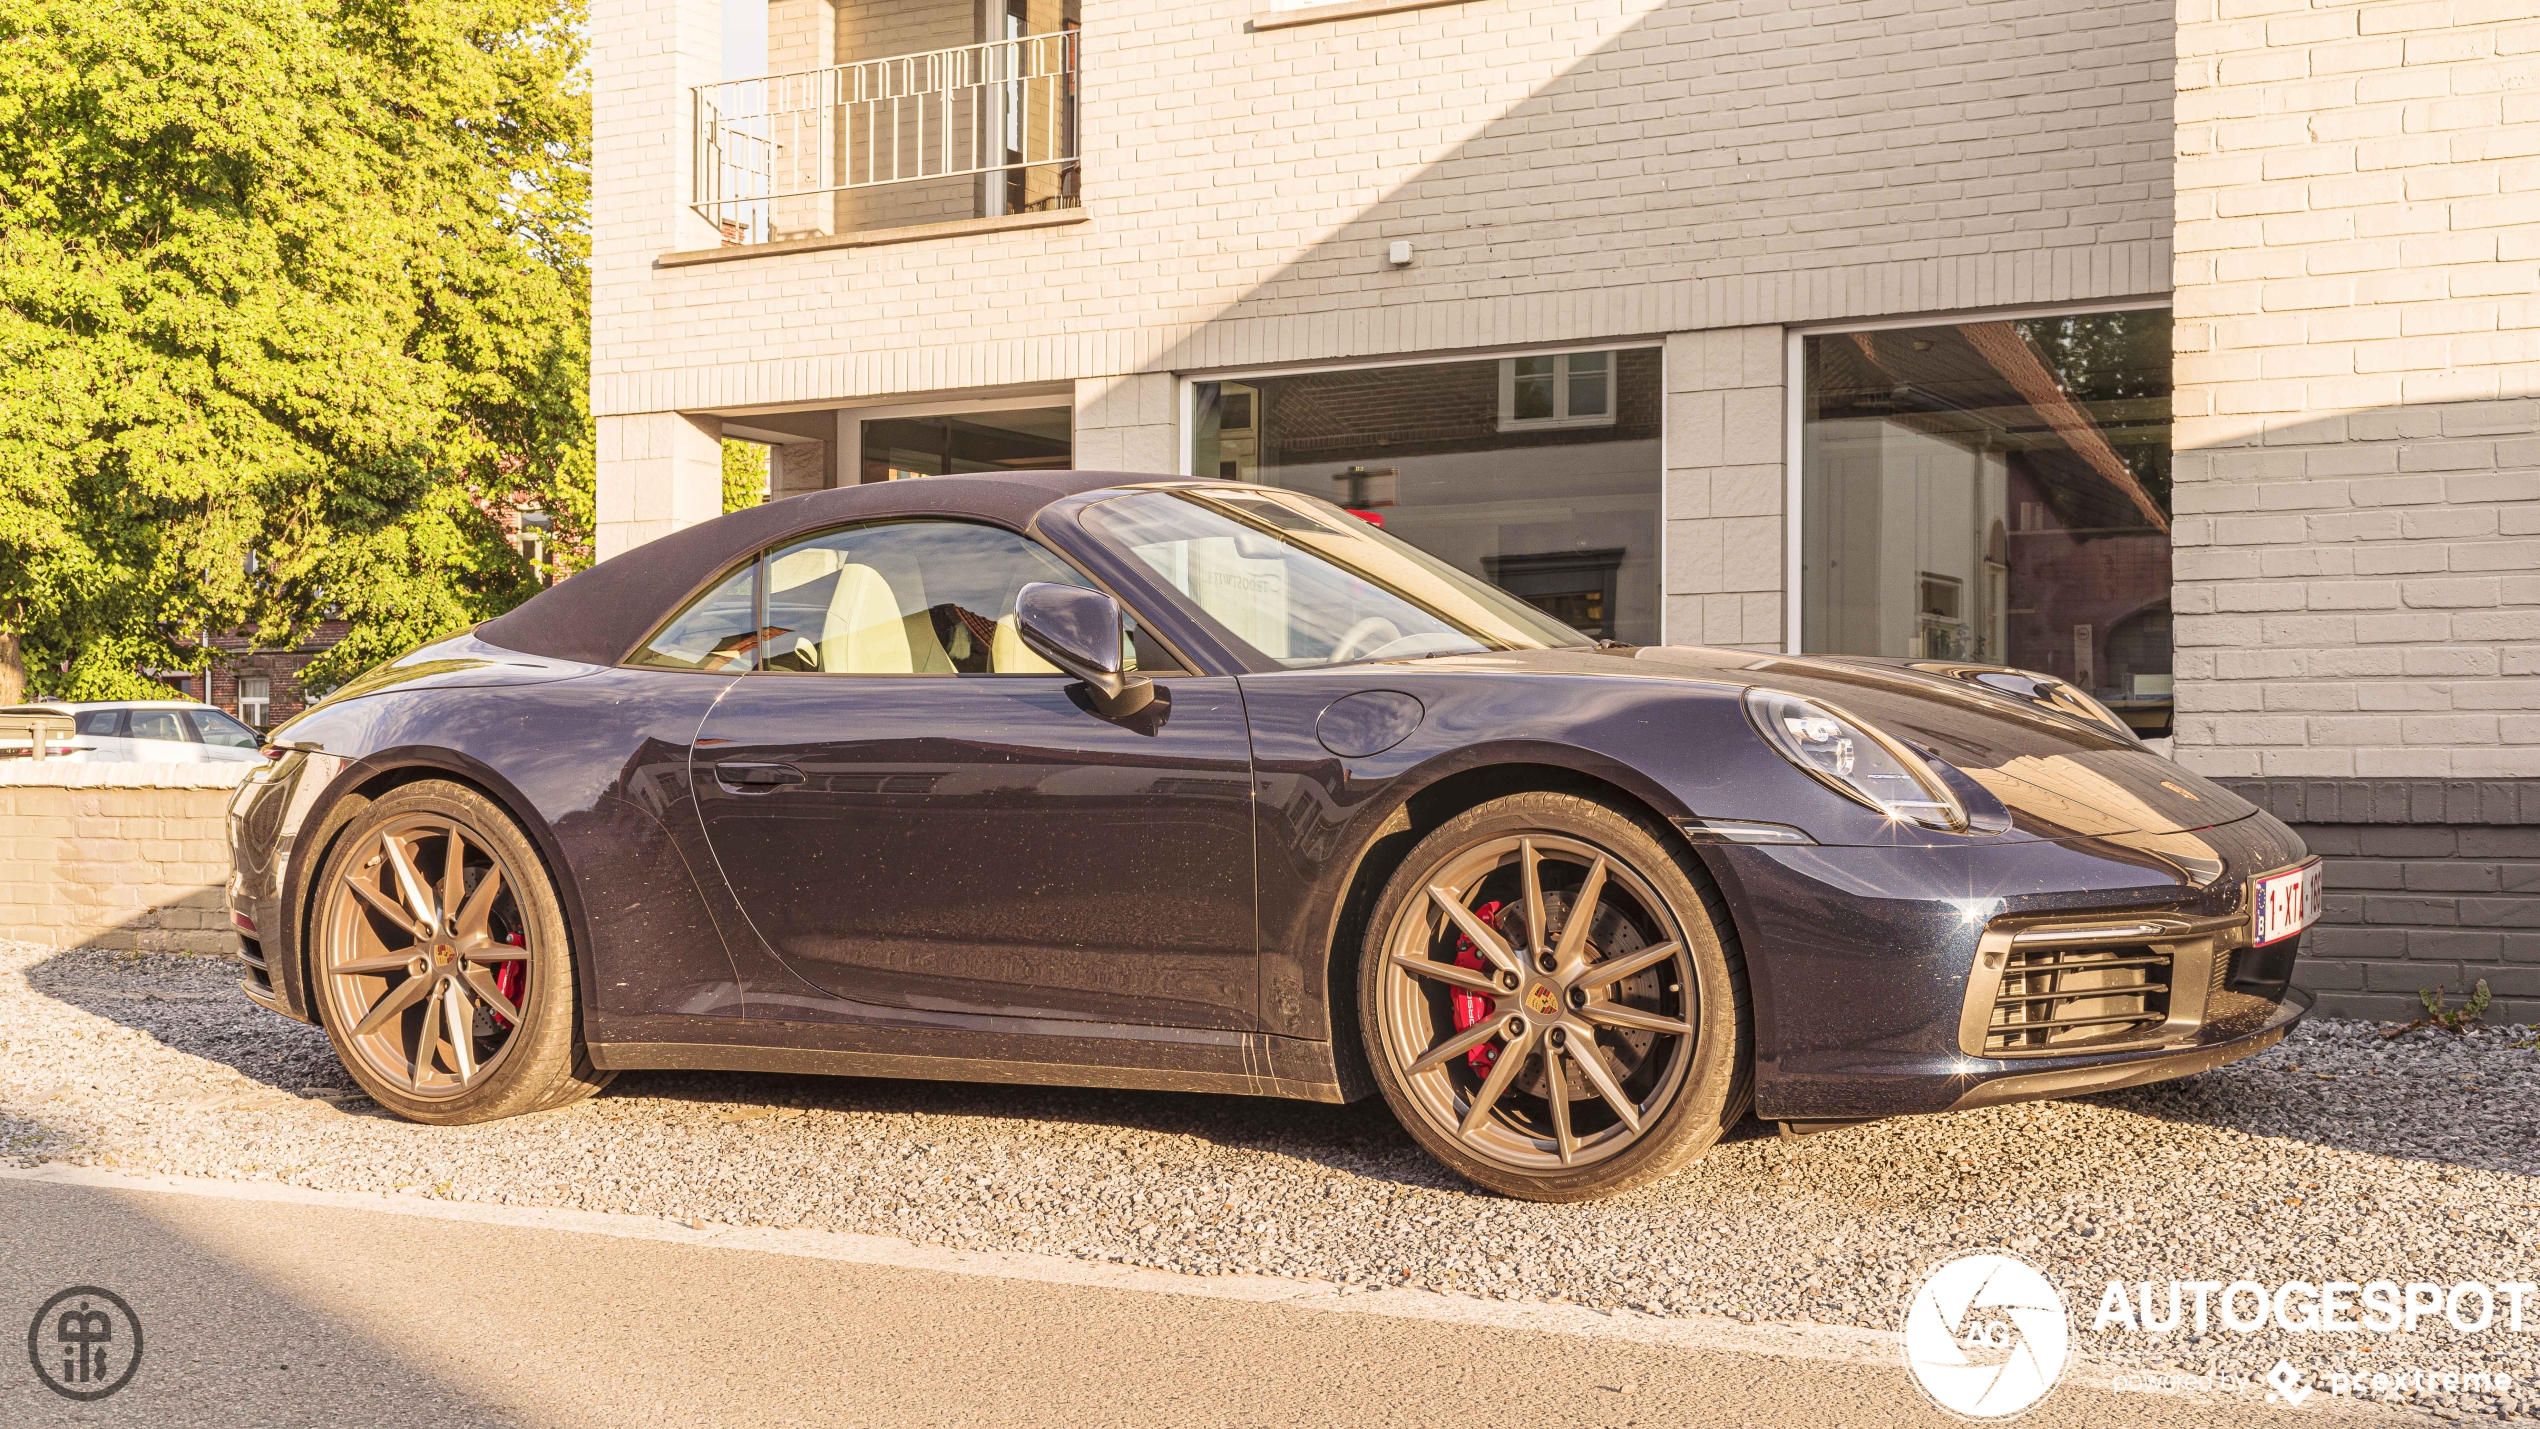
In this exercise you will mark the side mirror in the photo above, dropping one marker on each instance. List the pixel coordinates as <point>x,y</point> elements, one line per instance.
<point>1078,630</point>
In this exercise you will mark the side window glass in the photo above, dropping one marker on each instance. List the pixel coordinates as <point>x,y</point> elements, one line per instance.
<point>101,724</point>
<point>905,598</point>
<point>220,729</point>
<point>718,630</point>
<point>157,724</point>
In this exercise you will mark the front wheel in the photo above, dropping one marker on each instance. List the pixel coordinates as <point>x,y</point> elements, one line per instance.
<point>1552,1000</point>
<point>443,967</point>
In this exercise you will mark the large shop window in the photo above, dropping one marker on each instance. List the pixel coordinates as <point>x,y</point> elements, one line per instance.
<point>1539,474</point>
<point>1996,492</point>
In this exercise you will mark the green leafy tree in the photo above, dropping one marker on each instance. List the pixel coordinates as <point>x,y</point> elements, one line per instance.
<point>744,474</point>
<point>290,291</point>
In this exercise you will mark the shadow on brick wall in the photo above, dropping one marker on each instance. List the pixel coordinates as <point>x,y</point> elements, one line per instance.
<point>1721,154</point>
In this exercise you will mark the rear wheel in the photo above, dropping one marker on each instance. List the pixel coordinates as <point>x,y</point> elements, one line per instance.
<point>1552,1000</point>
<point>442,963</point>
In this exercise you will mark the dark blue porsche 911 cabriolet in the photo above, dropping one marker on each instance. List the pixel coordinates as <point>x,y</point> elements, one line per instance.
<point>1128,781</point>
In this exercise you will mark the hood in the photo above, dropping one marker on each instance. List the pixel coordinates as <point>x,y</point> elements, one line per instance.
<point>2059,772</point>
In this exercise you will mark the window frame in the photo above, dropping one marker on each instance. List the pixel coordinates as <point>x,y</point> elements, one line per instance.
<point>1795,413</point>
<point>1560,420</point>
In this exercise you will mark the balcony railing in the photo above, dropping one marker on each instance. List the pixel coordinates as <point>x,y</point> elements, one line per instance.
<point>790,155</point>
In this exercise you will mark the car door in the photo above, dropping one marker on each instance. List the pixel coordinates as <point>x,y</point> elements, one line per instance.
<point>919,815</point>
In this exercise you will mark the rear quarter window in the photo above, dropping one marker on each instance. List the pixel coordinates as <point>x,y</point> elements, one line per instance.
<point>718,631</point>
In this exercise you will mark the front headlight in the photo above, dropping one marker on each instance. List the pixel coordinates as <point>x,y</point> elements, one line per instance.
<point>1854,759</point>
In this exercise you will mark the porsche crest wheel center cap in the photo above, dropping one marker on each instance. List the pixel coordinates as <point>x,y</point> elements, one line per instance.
<point>1542,1001</point>
<point>442,953</point>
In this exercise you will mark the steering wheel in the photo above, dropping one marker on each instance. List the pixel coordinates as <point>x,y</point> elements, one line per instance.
<point>1364,637</point>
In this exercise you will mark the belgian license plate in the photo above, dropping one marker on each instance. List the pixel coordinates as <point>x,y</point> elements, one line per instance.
<point>2287,903</point>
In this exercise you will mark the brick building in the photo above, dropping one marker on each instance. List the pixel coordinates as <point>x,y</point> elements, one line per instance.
<point>2190,352</point>
<point>261,686</point>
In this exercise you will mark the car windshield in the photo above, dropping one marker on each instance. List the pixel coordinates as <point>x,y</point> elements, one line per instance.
<point>1306,583</point>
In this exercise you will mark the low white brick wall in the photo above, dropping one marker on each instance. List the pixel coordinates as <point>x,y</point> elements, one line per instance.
<point>128,856</point>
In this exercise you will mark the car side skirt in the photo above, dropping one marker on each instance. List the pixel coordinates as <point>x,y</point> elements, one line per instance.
<point>1179,1060</point>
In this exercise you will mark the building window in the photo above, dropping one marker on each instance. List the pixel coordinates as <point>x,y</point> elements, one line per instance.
<point>1564,389</point>
<point>535,541</point>
<point>1024,439</point>
<point>1996,492</point>
<point>255,700</point>
<point>1561,511</point>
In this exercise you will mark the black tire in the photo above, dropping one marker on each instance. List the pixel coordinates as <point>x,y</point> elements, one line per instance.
<point>535,1061</point>
<point>1684,1060</point>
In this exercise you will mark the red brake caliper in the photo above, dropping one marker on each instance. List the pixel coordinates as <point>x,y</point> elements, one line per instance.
<point>1472,1007</point>
<point>509,976</point>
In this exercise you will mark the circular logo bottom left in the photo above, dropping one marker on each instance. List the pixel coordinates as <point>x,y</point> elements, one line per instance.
<point>85,1343</point>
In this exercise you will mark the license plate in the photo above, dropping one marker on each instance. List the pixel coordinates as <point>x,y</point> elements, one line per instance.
<point>2286,903</point>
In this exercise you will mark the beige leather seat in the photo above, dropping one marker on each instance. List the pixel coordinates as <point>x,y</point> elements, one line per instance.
<point>864,633</point>
<point>1008,655</point>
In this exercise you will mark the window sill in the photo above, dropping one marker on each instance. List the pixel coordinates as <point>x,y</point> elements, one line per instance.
<point>1343,10</point>
<point>876,237</point>
<point>1552,424</point>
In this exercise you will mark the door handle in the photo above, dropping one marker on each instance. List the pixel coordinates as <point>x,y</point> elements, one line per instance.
<point>736,775</point>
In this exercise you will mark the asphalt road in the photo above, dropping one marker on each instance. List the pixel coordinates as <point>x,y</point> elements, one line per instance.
<point>271,1312</point>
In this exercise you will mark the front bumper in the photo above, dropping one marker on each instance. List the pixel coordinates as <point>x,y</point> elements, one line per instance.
<point>2215,1046</point>
<point>265,820</point>
<point>1872,995</point>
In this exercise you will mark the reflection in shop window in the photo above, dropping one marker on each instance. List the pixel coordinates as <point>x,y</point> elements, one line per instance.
<point>1560,510</point>
<point>1996,492</point>
<point>1566,389</point>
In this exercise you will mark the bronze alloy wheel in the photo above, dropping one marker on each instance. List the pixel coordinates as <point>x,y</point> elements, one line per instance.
<point>419,929</point>
<point>441,963</point>
<point>1540,1013</point>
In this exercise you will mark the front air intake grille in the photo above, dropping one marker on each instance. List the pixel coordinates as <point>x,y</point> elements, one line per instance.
<point>2078,997</point>
<point>251,955</point>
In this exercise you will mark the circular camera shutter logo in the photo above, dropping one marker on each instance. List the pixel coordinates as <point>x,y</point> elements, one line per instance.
<point>1986,1336</point>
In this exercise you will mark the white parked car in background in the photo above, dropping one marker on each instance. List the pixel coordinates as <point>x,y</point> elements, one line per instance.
<point>144,732</point>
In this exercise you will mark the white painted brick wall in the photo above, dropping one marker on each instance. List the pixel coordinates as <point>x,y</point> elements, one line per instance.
<point>1127,423</point>
<point>1726,479</point>
<point>1567,171</point>
<point>2358,368</point>
<point>664,471</point>
<point>645,57</point>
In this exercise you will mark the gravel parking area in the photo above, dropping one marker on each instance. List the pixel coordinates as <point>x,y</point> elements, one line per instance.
<point>2339,1155</point>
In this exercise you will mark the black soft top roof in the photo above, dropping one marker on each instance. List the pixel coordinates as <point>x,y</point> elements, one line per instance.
<point>597,616</point>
